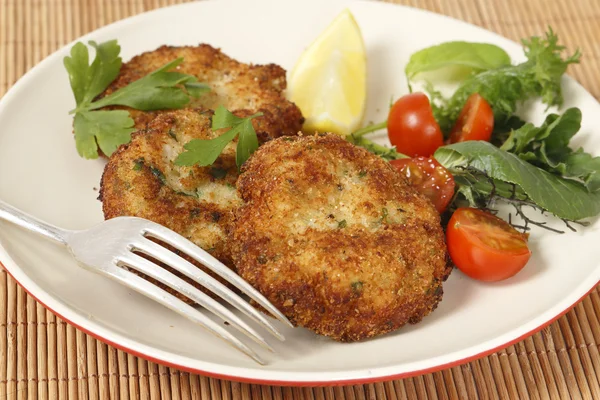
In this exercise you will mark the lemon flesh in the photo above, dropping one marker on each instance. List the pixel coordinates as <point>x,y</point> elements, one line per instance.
<point>328,83</point>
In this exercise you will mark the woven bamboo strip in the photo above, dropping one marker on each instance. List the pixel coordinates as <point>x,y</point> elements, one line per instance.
<point>31,347</point>
<point>41,352</point>
<point>537,367</point>
<point>448,383</point>
<point>11,327</point>
<point>469,379</point>
<point>522,378</point>
<point>133,377</point>
<point>122,375</point>
<point>566,349</point>
<point>456,376</point>
<point>577,323</point>
<point>14,36</point>
<point>580,35</point>
<point>155,389</point>
<point>4,60</point>
<point>195,387</point>
<point>52,356</point>
<point>81,365</point>
<point>90,357</point>
<point>21,338</point>
<point>316,393</point>
<point>51,30</point>
<point>595,300</point>
<point>437,381</point>
<point>3,334</point>
<point>399,388</point>
<point>563,378</point>
<point>27,30</point>
<point>433,391</point>
<point>488,376</point>
<point>591,332</point>
<point>570,365</point>
<point>174,383</point>
<point>510,377</point>
<point>144,383</point>
<point>71,373</point>
<point>103,374</point>
<point>412,390</point>
<point>235,389</point>
<point>479,380</point>
<point>113,373</point>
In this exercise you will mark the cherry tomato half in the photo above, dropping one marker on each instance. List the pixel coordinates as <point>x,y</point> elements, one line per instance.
<point>475,121</point>
<point>429,177</point>
<point>412,127</point>
<point>484,246</point>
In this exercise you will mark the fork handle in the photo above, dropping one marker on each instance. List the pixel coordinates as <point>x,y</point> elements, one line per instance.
<point>18,217</point>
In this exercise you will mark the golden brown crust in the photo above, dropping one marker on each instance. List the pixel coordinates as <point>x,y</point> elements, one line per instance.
<point>237,86</point>
<point>336,239</point>
<point>141,180</point>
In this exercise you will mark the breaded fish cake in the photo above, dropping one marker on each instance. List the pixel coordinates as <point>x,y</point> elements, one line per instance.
<point>335,238</point>
<point>237,86</point>
<point>141,180</point>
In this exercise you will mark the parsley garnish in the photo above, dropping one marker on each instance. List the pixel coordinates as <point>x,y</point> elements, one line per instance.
<point>108,129</point>
<point>205,151</point>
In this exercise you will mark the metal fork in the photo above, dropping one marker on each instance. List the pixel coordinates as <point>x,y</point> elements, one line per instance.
<point>110,249</point>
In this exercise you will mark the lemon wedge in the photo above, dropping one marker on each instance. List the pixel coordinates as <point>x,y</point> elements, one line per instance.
<point>328,83</point>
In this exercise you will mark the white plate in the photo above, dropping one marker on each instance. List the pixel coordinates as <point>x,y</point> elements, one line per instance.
<point>41,173</point>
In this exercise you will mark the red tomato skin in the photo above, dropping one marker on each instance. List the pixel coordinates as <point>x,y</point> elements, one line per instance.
<point>475,121</point>
<point>429,177</point>
<point>412,127</point>
<point>479,261</point>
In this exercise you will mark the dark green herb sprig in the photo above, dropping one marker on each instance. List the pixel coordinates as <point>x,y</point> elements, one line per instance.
<point>108,129</point>
<point>204,152</point>
<point>547,147</point>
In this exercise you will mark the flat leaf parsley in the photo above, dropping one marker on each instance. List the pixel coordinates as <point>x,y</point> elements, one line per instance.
<point>108,129</point>
<point>204,152</point>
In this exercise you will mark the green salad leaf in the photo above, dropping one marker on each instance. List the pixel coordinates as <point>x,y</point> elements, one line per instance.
<point>107,130</point>
<point>204,152</point>
<point>472,57</point>
<point>547,147</point>
<point>506,87</point>
<point>513,177</point>
<point>555,132</point>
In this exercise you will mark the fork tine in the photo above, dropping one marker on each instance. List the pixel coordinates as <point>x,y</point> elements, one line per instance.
<point>179,242</point>
<point>180,264</point>
<point>162,275</point>
<point>155,293</point>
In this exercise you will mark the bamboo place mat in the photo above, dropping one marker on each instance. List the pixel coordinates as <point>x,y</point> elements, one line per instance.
<point>43,357</point>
